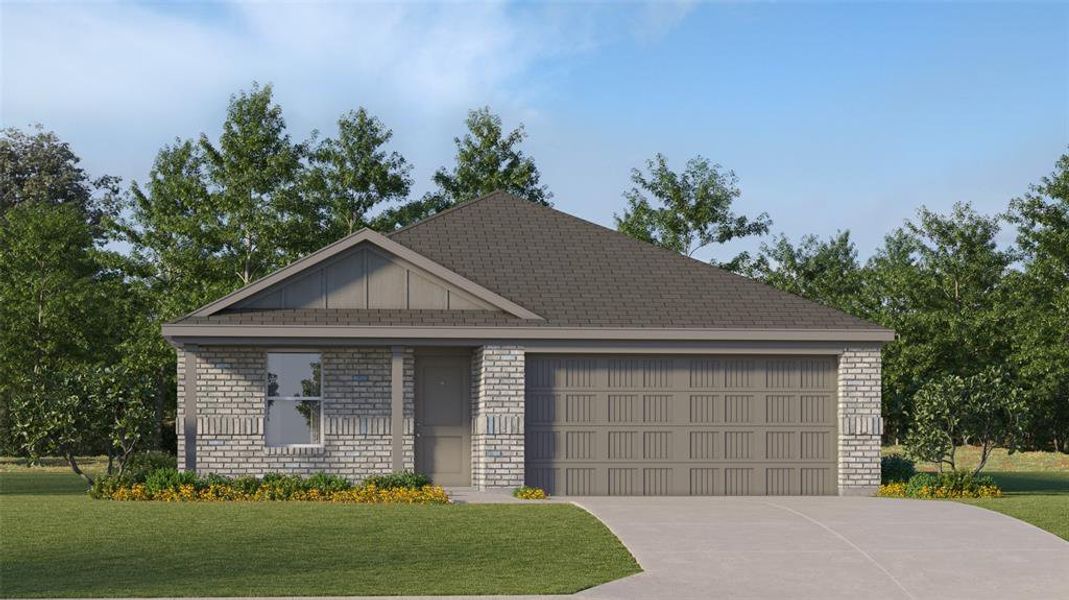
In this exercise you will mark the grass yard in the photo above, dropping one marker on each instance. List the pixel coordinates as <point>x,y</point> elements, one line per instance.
<point>1036,485</point>
<point>1039,498</point>
<point>57,542</point>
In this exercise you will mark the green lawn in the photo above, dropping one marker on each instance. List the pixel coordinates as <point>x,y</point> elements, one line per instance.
<point>1038,497</point>
<point>57,542</point>
<point>1036,485</point>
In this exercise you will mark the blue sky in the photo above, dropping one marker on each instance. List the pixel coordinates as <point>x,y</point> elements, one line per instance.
<point>834,116</point>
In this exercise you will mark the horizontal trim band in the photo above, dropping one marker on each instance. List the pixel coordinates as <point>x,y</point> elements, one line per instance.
<point>177,331</point>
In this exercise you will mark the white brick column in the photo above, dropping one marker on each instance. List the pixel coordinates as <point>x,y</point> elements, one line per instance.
<point>497,417</point>
<point>860,424</point>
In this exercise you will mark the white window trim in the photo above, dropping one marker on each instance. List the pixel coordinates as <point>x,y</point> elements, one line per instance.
<point>318,398</point>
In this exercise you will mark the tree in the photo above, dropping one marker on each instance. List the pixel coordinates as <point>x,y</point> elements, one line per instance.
<point>94,408</point>
<point>1038,301</point>
<point>984,409</point>
<point>693,208</point>
<point>37,167</point>
<point>823,271</point>
<point>213,216</point>
<point>51,310</point>
<point>488,159</point>
<point>353,174</point>
<point>937,283</point>
<point>216,216</point>
<point>262,221</point>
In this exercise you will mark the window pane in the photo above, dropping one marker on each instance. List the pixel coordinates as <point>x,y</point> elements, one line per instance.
<point>293,374</point>
<point>292,422</point>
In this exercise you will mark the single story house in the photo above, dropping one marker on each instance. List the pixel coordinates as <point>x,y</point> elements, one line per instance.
<point>501,342</point>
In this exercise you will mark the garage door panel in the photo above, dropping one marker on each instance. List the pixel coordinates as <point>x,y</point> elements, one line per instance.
<point>698,425</point>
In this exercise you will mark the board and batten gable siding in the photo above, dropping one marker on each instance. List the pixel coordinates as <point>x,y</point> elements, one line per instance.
<point>364,278</point>
<point>356,426</point>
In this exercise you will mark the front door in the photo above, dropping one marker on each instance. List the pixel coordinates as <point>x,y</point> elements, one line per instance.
<point>443,418</point>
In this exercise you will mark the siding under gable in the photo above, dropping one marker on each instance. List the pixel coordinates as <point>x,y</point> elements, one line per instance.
<point>365,278</point>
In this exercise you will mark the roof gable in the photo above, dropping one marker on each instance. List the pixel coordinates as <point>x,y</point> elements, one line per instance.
<point>365,271</point>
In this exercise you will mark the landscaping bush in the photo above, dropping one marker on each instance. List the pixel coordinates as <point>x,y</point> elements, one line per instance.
<point>964,484</point>
<point>526,492</point>
<point>895,468</point>
<point>105,486</point>
<point>170,479</point>
<point>951,484</point>
<point>143,463</point>
<point>920,483</point>
<point>169,485</point>
<point>399,479</point>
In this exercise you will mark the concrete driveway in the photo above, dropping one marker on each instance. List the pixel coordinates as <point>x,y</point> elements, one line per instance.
<point>828,548</point>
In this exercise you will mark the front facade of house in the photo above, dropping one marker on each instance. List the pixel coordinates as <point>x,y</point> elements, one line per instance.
<point>501,343</point>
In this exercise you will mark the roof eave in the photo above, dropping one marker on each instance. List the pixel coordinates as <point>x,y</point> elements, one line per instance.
<point>176,332</point>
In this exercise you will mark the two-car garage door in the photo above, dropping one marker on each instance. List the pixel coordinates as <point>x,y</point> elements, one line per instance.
<point>681,425</point>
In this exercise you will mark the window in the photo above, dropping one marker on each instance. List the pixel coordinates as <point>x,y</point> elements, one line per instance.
<point>294,403</point>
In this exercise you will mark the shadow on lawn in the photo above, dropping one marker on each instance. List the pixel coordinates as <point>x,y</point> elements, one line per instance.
<point>41,484</point>
<point>1033,483</point>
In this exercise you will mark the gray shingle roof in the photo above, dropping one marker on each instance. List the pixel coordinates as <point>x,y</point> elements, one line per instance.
<point>579,274</point>
<point>574,273</point>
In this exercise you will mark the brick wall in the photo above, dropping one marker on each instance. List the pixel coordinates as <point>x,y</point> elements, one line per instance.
<point>860,424</point>
<point>497,417</point>
<point>231,402</point>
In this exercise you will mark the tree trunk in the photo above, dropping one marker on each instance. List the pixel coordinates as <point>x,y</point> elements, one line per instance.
<point>985,452</point>
<point>74,467</point>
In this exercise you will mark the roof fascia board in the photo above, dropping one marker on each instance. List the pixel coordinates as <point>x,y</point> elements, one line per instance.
<point>526,333</point>
<point>383,242</point>
<point>551,347</point>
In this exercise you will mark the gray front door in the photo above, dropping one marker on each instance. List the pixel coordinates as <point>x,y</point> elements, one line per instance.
<point>443,418</point>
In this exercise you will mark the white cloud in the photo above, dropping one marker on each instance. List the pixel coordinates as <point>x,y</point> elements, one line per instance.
<point>118,80</point>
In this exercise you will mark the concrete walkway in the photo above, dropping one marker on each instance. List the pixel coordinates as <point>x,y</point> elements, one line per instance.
<point>828,548</point>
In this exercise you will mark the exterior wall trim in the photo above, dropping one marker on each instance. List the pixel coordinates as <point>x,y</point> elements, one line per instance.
<point>177,332</point>
<point>397,406</point>
<point>190,408</point>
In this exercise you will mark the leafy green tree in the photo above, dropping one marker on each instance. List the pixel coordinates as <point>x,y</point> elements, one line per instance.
<point>352,174</point>
<point>689,210</point>
<point>488,159</point>
<point>93,408</point>
<point>823,271</point>
<point>215,216</point>
<point>262,221</point>
<point>53,310</point>
<point>985,409</point>
<point>36,166</point>
<point>937,283</point>
<point>1038,300</point>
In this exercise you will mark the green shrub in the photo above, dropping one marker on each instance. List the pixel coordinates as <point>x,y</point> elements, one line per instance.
<point>104,486</point>
<point>281,487</point>
<point>963,482</point>
<point>895,468</point>
<point>920,481</point>
<point>327,483</point>
<point>213,479</point>
<point>245,485</point>
<point>170,479</point>
<point>141,464</point>
<point>526,492</point>
<point>399,479</point>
